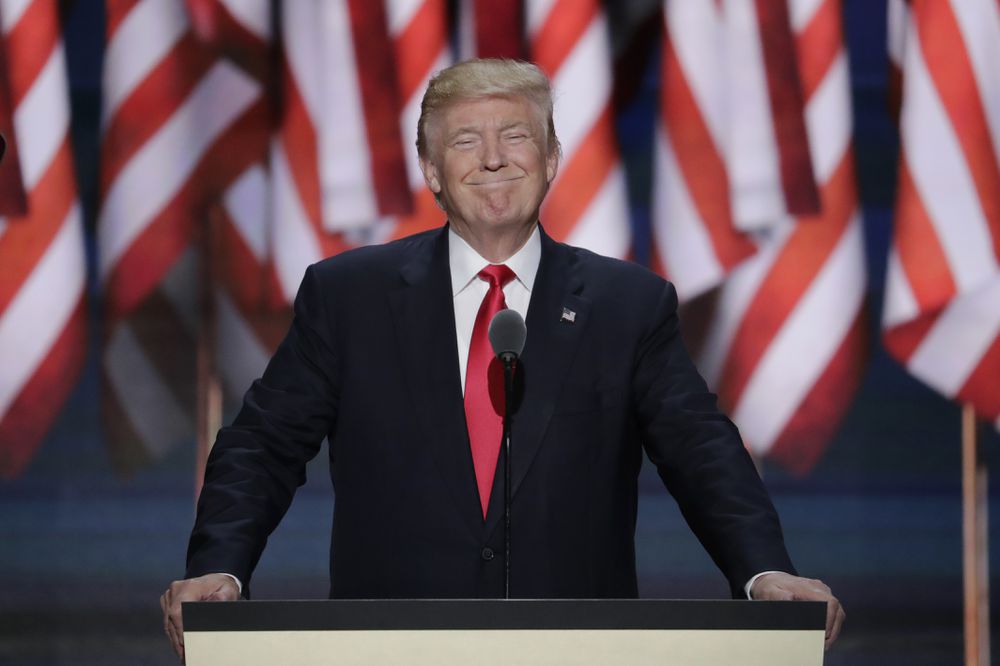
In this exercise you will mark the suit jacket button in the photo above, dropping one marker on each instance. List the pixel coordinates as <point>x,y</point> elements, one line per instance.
<point>487,553</point>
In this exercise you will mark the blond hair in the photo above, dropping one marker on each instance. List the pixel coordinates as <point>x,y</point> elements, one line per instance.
<point>487,77</point>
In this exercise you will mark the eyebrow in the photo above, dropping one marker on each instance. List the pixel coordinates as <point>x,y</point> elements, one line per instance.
<point>463,130</point>
<point>468,129</point>
<point>519,124</point>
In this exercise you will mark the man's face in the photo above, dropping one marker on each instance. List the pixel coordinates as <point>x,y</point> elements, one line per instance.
<point>489,164</point>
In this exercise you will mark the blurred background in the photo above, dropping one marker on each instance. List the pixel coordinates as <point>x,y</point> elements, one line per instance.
<point>819,178</point>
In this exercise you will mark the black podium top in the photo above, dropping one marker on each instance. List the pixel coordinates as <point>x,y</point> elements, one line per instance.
<point>425,614</point>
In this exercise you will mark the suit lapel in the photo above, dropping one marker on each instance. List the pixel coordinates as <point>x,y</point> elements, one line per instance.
<point>424,318</point>
<point>550,347</point>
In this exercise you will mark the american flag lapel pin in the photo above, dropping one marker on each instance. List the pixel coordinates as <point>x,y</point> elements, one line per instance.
<point>568,316</point>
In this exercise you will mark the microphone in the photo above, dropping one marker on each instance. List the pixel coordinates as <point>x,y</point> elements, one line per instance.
<point>507,333</point>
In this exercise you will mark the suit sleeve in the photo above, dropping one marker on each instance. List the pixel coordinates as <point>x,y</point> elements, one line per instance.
<point>259,461</point>
<point>700,456</point>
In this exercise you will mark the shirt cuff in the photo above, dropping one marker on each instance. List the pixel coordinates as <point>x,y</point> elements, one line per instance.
<point>239,585</point>
<point>748,586</point>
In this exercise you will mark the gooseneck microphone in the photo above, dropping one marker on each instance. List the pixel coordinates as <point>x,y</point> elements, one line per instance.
<point>507,333</point>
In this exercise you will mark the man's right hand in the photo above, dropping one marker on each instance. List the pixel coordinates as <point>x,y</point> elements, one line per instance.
<point>211,587</point>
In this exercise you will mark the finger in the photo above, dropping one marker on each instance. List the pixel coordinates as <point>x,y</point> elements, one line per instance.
<point>834,619</point>
<point>177,624</point>
<point>175,637</point>
<point>174,641</point>
<point>177,633</point>
<point>164,606</point>
<point>174,615</point>
<point>838,624</point>
<point>175,620</point>
<point>172,636</point>
<point>178,594</point>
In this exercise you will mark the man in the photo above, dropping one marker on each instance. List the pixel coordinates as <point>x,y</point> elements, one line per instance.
<point>386,358</point>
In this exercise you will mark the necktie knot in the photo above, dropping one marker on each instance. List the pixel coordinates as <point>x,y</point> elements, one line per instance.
<point>498,275</point>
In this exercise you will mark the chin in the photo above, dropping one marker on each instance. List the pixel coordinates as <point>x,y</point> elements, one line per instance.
<point>506,218</point>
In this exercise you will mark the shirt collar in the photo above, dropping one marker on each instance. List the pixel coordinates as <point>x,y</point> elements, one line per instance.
<point>466,263</point>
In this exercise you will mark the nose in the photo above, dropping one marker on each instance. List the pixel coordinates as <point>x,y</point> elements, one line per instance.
<point>494,157</point>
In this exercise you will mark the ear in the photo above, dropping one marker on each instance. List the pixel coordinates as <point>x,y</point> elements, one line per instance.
<point>431,175</point>
<point>551,165</point>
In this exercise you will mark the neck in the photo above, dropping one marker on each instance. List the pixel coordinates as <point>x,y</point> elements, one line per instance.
<point>496,245</point>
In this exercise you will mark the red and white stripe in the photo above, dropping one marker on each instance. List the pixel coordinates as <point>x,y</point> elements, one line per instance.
<point>250,313</point>
<point>337,162</point>
<point>272,224</point>
<point>264,247</point>
<point>342,56</point>
<point>42,318</point>
<point>249,320</point>
<point>175,125</point>
<point>238,29</point>
<point>298,236</point>
<point>785,347</point>
<point>586,205</point>
<point>942,303</point>
<point>732,153</point>
<point>419,30</point>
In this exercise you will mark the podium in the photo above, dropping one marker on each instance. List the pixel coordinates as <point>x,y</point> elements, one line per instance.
<point>635,632</point>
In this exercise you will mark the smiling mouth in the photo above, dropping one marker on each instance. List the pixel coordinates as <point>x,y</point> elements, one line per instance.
<point>497,182</point>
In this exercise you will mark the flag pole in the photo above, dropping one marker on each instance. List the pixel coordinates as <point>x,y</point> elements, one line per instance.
<point>975,546</point>
<point>209,387</point>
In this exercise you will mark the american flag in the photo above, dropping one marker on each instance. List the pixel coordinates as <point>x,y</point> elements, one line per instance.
<point>298,204</point>
<point>941,317</point>
<point>274,213</point>
<point>337,70</point>
<point>175,123</point>
<point>419,30</point>
<point>42,316</point>
<point>735,209</point>
<point>224,152</point>
<point>587,203</point>
<point>273,181</point>
<point>244,295</point>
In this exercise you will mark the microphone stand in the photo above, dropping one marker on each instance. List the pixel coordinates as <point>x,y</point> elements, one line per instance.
<point>509,361</point>
<point>507,333</point>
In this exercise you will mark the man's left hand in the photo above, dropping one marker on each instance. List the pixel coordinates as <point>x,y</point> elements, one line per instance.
<point>786,587</point>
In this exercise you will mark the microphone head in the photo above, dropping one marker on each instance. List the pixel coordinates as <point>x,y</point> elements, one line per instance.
<point>507,334</point>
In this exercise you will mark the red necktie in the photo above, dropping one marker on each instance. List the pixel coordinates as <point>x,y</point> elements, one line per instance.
<point>484,401</point>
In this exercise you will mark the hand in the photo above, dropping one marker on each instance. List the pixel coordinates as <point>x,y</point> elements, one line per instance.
<point>786,587</point>
<point>211,587</point>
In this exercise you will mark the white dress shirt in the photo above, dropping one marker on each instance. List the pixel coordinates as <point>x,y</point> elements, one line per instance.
<point>469,290</point>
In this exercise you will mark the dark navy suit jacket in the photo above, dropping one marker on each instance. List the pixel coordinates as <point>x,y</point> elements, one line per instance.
<point>371,363</point>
